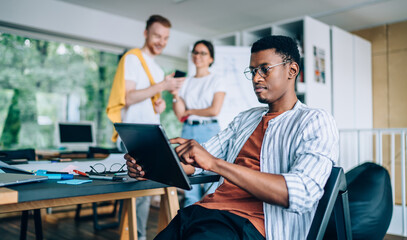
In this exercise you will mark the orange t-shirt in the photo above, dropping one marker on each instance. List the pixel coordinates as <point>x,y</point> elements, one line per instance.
<point>230,197</point>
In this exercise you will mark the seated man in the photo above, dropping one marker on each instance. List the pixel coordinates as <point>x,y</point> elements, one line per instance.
<point>273,161</point>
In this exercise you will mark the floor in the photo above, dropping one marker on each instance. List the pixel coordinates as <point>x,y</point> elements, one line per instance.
<point>61,225</point>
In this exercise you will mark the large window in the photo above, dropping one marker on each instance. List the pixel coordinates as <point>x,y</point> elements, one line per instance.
<point>43,82</point>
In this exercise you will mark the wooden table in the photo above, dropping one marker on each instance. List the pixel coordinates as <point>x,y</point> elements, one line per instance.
<point>51,194</point>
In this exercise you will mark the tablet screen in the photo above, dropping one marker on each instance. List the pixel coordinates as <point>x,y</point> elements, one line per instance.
<point>149,145</point>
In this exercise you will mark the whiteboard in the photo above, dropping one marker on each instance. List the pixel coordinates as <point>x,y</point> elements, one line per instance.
<point>230,63</point>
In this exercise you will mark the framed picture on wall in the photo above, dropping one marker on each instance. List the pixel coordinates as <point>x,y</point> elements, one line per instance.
<point>319,65</point>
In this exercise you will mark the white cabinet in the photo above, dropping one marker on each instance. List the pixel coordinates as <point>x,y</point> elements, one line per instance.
<point>352,80</point>
<point>317,64</point>
<point>249,36</point>
<point>313,85</point>
<point>340,84</point>
<point>336,76</point>
<point>352,95</point>
<point>343,89</point>
<point>363,83</point>
<point>229,39</point>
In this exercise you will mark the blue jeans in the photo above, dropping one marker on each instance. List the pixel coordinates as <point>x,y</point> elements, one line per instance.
<point>201,133</point>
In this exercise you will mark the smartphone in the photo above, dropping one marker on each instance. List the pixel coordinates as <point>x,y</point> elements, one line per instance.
<point>179,74</point>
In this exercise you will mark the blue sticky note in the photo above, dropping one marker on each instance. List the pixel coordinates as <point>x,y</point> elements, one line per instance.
<point>74,181</point>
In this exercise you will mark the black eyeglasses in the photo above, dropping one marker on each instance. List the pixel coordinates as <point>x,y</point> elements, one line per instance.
<point>199,53</point>
<point>100,168</point>
<point>262,70</point>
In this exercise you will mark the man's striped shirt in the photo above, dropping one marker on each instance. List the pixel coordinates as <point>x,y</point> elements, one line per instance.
<point>302,145</point>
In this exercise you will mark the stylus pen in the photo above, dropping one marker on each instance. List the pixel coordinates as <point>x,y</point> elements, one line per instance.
<point>111,178</point>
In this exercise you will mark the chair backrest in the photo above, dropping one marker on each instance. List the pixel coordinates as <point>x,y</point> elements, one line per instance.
<point>335,199</point>
<point>21,154</point>
<point>370,202</point>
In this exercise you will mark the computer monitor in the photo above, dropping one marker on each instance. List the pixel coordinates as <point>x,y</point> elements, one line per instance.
<point>75,136</point>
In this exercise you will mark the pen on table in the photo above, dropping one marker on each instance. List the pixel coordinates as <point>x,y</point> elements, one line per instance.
<point>111,178</point>
<point>60,160</point>
<point>81,173</point>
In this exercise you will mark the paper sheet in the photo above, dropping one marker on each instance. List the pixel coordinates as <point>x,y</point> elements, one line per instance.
<point>83,165</point>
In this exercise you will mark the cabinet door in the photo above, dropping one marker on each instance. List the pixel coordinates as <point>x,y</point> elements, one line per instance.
<point>351,80</point>
<point>317,64</point>
<point>343,94</point>
<point>363,83</point>
<point>343,88</point>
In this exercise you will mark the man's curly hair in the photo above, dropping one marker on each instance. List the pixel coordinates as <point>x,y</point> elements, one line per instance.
<point>285,46</point>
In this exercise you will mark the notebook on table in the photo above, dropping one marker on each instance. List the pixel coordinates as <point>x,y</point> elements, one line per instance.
<point>149,145</point>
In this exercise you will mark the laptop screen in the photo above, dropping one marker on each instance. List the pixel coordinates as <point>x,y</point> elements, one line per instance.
<point>75,133</point>
<point>76,136</point>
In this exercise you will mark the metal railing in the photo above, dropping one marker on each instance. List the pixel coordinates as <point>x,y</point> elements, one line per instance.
<point>366,145</point>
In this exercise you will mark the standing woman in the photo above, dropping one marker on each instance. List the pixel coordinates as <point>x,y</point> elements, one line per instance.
<point>200,100</point>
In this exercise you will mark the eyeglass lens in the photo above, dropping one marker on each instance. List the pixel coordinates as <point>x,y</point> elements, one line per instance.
<point>101,168</point>
<point>199,53</point>
<point>116,167</point>
<point>98,168</point>
<point>262,70</point>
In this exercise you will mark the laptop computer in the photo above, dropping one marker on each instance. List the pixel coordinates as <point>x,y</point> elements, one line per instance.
<point>7,179</point>
<point>149,145</point>
<point>75,136</point>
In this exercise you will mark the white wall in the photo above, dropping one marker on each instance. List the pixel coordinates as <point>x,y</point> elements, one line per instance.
<point>87,24</point>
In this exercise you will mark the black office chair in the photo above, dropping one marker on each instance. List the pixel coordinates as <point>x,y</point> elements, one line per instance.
<point>370,202</point>
<point>335,199</point>
<point>15,157</point>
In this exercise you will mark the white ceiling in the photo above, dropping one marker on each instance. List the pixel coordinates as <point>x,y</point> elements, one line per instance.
<point>208,18</point>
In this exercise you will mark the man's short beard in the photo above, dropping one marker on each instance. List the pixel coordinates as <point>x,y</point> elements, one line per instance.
<point>262,100</point>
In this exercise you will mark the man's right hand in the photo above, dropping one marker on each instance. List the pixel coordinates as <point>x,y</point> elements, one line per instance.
<point>192,153</point>
<point>133,169</point>
<point>173,84</point>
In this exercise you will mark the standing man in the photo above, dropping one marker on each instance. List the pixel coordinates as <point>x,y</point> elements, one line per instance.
<point>136,92</point>
<point>273,161</point>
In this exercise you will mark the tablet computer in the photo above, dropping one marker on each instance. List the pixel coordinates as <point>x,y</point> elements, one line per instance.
<point>7,179</point>
<point>149,145</point>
